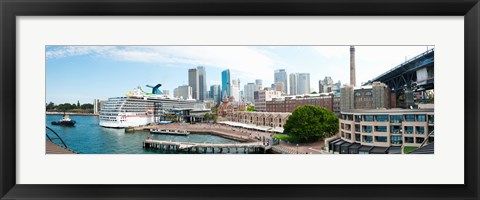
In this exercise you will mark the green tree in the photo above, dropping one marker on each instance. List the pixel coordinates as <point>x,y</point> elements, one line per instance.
<point>87,106</point>
<point>65,107</point>
<point>309,123</point>
<point>251,108</point>
<point>214,109</point>
<point>50,106</point>
<point>314,92</point>
<point>78,104</point>
<point>207,116</point>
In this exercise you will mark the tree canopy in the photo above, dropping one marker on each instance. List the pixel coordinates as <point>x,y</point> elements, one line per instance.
<point>309,123</point>
<point>67,107</point>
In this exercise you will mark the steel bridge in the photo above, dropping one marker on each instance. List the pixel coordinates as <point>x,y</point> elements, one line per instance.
<point>405,74</point>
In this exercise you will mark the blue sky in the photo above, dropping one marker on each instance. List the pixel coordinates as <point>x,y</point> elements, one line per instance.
<point>84,73</point>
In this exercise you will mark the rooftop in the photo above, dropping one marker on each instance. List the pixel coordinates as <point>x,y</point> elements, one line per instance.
<point>302,96</point>
<point>386,111</point>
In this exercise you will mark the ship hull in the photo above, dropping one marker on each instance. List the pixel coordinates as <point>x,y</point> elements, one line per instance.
<point>131,121</point>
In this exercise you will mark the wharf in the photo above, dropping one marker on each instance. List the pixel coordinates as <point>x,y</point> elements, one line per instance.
<point>52,148</point>
<point>251,147</point>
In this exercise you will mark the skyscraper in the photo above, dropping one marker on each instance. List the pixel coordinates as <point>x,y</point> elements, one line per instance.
<point>279,87</point>
<point>303,83</point>
<point>225,83</point>
<point>194,83</point>
<point>293,83</point>
<point>259,84</point>
<point>235,89</point>
<point>215,93</point>
<point>202,83</point>
<point>280,75</point>
<point>183,92</point>
<point>249,90</point>
<point>326,85</point>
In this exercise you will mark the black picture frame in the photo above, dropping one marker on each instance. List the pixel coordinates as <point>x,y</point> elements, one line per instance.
<point>9,9</point>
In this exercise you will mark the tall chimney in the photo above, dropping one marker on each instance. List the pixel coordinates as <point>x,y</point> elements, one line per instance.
<point>352,65</point>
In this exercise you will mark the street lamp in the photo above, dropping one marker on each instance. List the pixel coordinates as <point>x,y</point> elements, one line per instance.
<point>297,148</point>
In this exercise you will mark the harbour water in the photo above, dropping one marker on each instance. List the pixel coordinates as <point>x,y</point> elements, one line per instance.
<point>87,137</point>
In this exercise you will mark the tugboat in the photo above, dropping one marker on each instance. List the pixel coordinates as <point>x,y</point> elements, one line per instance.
<point>65,121</point>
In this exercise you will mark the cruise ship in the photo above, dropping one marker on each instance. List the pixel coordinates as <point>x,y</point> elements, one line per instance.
<point>139,108</point>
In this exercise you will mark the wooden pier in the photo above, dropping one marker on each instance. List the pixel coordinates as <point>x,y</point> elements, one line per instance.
<point>52,148</point>
<point>251,147</point>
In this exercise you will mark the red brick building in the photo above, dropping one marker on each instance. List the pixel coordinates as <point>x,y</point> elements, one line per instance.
<point>289,103</point>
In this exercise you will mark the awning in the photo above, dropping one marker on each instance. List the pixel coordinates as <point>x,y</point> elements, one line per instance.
<point>334,141</point>
<point>365,148</point>
<point>379,150</point>
<point>339,143</point>
<point>395,150</point>
<point>346,144</point>
<point>355,146</point>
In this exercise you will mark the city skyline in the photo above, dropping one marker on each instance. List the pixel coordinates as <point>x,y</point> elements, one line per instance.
<point>84,73</point>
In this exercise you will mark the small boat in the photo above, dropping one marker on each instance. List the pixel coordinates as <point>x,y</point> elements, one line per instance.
<point>169,132</point>
<point>65,121</point>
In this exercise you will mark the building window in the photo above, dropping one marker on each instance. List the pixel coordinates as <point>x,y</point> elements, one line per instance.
<point>357,118</point>
<point>368,93</point>
<point>357,94</point>
<point>410,118</point>
<point>367,129</point>
<point>348,136</point>
<point>357,127</point>
<point>430,129</point>
<point>419,129</point>
<point>408,139</point>
<point>421,118</point>
<point>367,138</point>
<point>395,129</point>
<point>348,127</point>
<point>381,118</point>
<point>419,140</point>
<point>357,137</point>
<point>396,139</point>
<point>380,129</point>
<point>380,138</point>
<point>368,118</point>
<point>396,119</point>
<point>349,117</point>
<point>342,125</point>
<point>430,119</point>
<point>408,129</point>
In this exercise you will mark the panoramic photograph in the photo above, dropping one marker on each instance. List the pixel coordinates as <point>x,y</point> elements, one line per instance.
<point>345,99</point>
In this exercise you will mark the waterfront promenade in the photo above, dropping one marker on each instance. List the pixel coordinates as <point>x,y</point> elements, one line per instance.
<point>241,134</point>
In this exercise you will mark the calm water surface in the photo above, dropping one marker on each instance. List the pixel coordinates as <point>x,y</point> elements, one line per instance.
<point>87,137</point>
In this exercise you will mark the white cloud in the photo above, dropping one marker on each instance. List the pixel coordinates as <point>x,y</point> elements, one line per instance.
<point>256,62</point>
<point>67,51</point>
<point>243,59</point>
